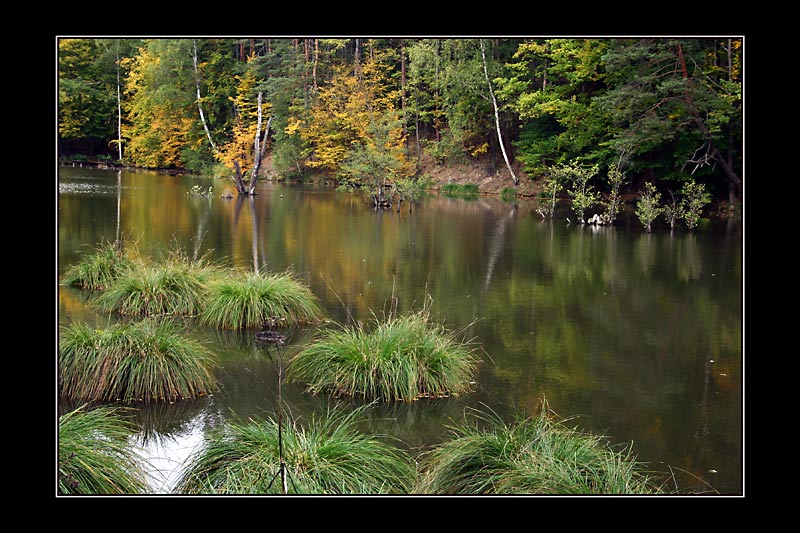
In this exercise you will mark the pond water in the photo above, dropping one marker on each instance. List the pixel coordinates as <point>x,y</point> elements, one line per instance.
<point>635,336</point>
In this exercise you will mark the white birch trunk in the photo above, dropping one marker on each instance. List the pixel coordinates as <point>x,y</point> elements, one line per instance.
<point>119,111</point>
<point>199,107</point>
<point>497,117</point>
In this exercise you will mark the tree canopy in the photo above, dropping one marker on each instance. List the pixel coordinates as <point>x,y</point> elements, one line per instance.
<point>661,109</point>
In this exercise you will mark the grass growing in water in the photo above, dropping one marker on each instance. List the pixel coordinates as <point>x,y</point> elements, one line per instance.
<point>145,360</point>
<point>328,457</point>
<point>94,456</point>
<point>468,191</point>
<point>248,300</point>
<point>539,455</point>
<point>402,358</point>
<point>175,287</point>
<point>99,269</point>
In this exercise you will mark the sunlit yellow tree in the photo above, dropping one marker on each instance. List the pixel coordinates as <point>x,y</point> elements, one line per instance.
<point>160,107</point>
<point>353,127</point>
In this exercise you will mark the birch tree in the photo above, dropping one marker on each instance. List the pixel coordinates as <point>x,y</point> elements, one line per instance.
<point>497,116</point>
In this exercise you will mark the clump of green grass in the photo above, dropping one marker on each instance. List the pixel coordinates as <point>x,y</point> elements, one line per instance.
<point>467,191</point>
<point>94,456</point>
<point>538,455</point>
<point>98,269</point>
<point>402,358</point>
<point>144,360</point>
<point>252,299</point>
<point>329,456</point>
<point>174,287</point>
<point>450,189</point>
<point>508,194</point>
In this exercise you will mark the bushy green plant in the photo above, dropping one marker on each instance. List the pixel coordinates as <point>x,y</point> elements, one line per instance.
<point>327,456</point>
<point>248,300</point>
<point>583,194</point>
<point>402,358</point>
<point>508,194</point>
<point>145,360</point>
<point>694,199</point>
<point>450,189</point>
<point>647,206</point>
<point>616,178</point>
<point>536,455</point>
<point>100,268</point>
<point>552,185</point>
<point>94,456</point>
<point>173,287</point>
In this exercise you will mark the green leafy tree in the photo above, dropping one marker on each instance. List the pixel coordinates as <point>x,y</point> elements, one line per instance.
<point>616,178</point>
<point>647,206</point>
<point>88,71</point>
<point>552,87</point>
<point>693,199</point>
<point>673,106</point>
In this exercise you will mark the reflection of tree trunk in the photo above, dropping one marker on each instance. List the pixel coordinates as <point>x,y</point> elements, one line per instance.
<point>254,221</point>
<point>497,245</point>
<point>119,201</point>
<point>201,229</point>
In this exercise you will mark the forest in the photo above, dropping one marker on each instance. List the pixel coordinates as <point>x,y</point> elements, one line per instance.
<point>661,112</point>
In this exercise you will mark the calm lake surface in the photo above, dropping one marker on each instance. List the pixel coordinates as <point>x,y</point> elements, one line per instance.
<point>632,335</point>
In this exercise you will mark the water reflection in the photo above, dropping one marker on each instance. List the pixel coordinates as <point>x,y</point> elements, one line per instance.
<point>613,325</point>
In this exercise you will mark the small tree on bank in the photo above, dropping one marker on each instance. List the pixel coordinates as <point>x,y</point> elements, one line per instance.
<point>647,208</point>
<point>615,179</point>
<point>583,195</point>
<point>694,199</point>
<point>672,210</point>
<point>552,186</point>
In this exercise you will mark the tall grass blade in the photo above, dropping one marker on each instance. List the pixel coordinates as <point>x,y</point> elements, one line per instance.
<point>145,360</point>
<point>94,456</point>
<point>327,456</point>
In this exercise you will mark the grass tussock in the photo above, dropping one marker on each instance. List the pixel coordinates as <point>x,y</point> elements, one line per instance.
<point>329,456</point>
<point>100,268</point>
<point>403,358</point>
<point>250,300</point>
<point>145,360</point>
<point>174,287</point>
<point>94,456</point>
<point>538,455</point>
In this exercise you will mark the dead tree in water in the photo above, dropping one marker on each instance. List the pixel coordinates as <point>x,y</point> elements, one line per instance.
<point>259,151</point>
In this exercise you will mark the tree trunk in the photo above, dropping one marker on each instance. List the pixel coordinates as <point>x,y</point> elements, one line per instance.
<point>727,166</point>
<point>238,179</point>
<point>497,116</point>
<point>316,62</point>
<point>200,107</point>
<point>119,111</point>
<point>259,145</point>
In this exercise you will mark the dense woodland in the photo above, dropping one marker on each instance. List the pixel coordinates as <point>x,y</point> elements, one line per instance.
<point>363,111</point>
